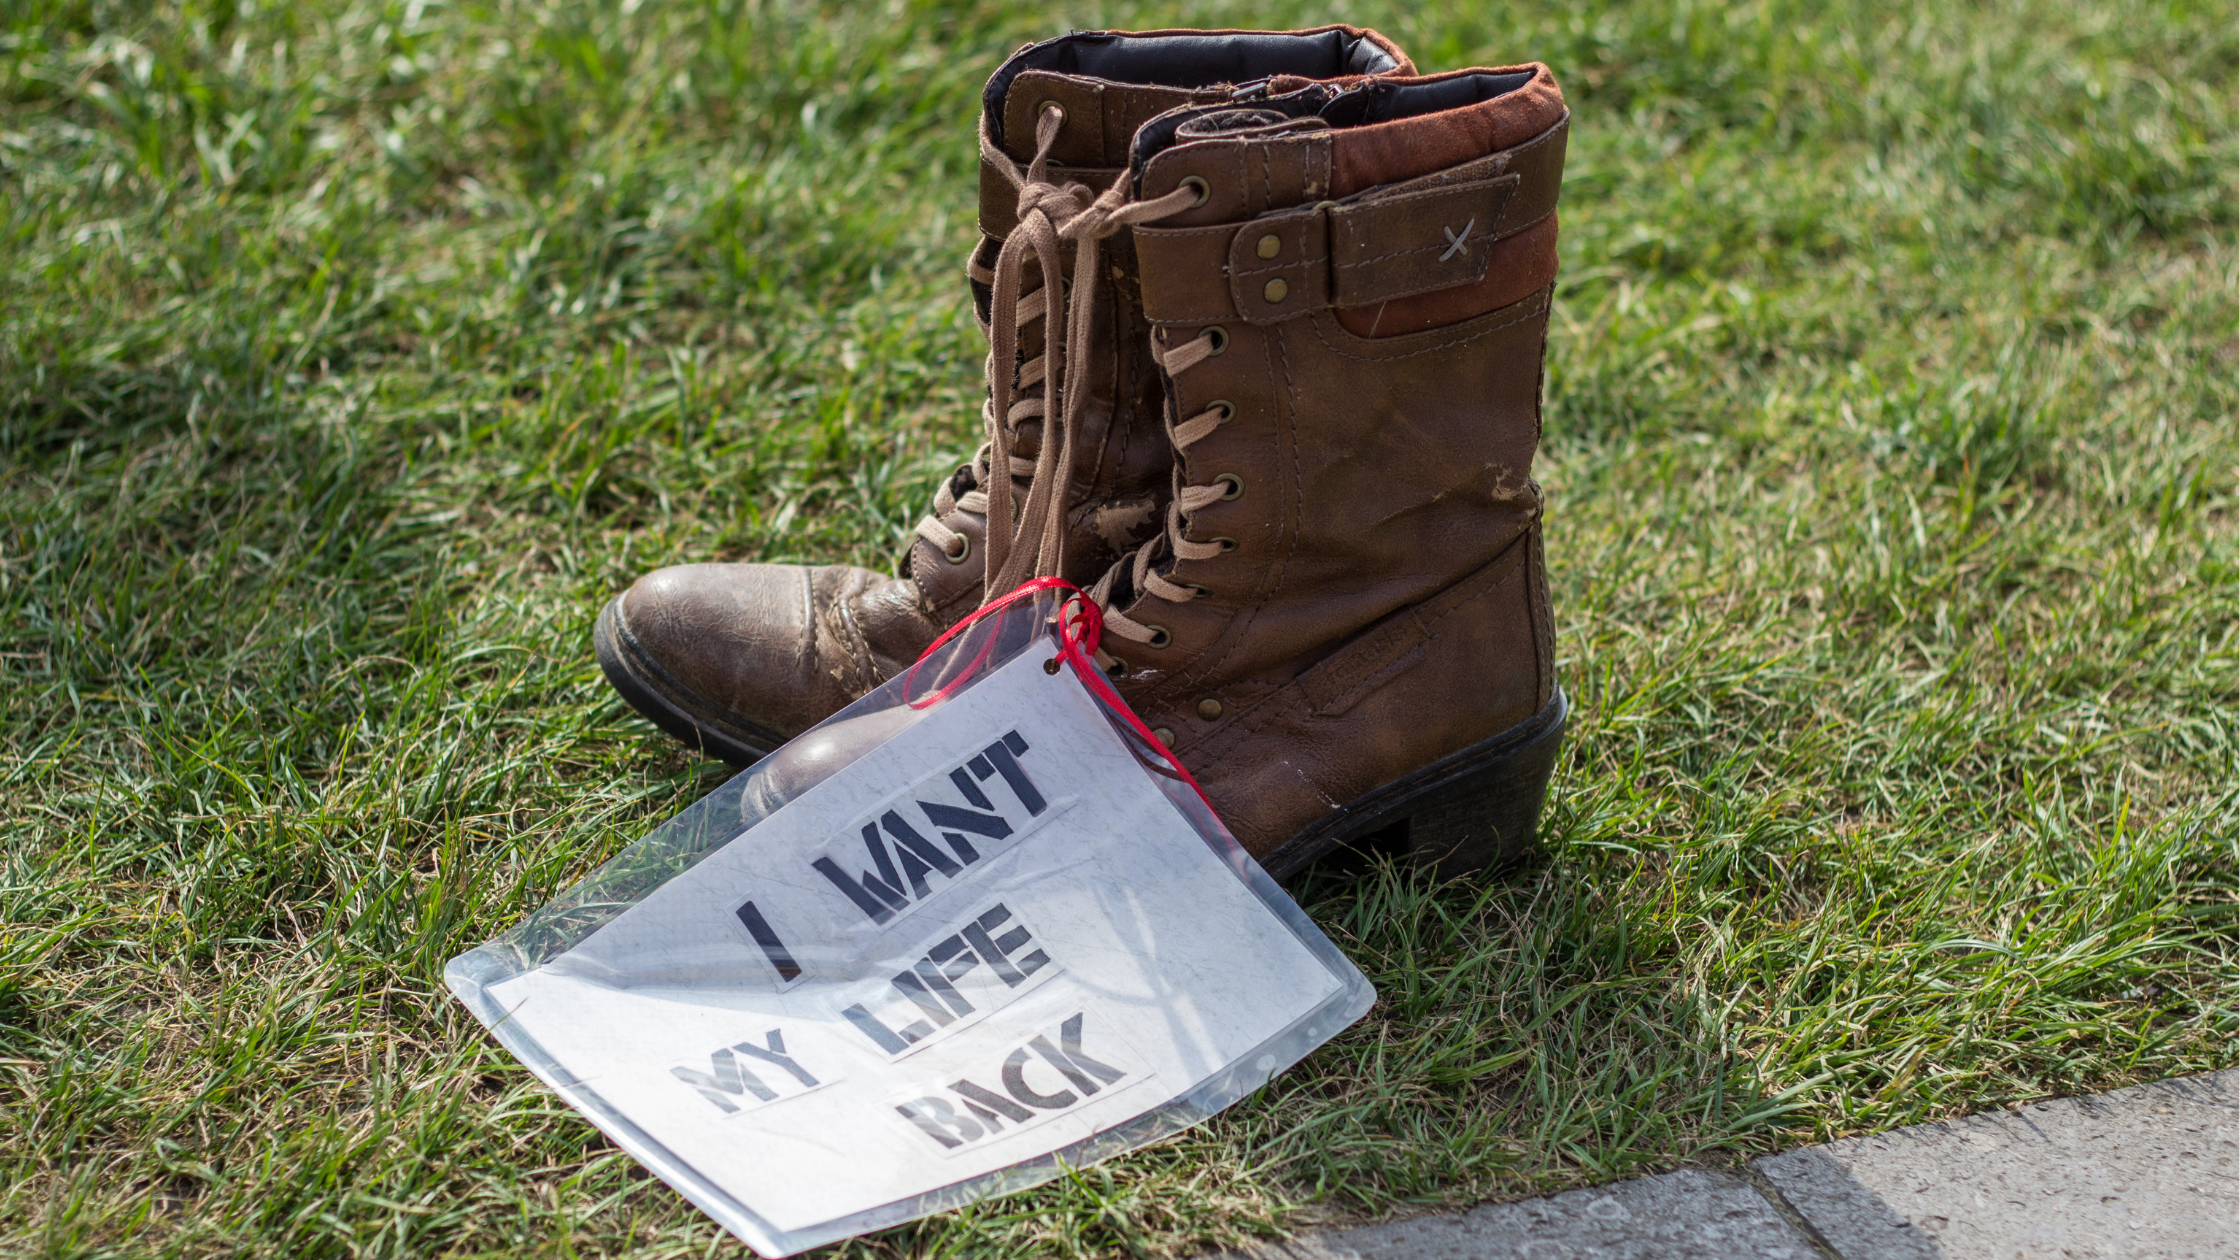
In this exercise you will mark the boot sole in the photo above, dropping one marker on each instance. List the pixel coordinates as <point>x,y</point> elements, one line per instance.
<point>1474,810</point>
<point>661,700</point>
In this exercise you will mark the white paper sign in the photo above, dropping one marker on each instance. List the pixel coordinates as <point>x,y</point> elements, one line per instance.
<point>990,940</point>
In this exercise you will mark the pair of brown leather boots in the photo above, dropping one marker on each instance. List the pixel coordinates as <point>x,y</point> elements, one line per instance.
<point>1266,314</point>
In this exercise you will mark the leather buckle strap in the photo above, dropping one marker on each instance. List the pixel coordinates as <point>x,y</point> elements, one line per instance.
<point>1395,241</point>
<point>1360,253</point>
<point>1279,264</point>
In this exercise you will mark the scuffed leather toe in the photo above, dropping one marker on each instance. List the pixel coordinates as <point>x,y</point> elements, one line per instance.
<point>736,659</point>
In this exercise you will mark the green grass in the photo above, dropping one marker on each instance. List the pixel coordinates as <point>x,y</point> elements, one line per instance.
<point>352,353</point>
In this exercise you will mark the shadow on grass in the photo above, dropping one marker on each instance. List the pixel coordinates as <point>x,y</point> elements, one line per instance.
<point>1525,1035</point>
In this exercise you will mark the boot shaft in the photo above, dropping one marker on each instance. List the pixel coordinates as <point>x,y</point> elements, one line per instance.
<point>1106,84</point>
<point>1352,307</point>
<point>1372,267</point>
<point>1110,83</point>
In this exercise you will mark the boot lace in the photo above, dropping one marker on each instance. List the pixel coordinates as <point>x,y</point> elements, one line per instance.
<point>1029,540</point>
<point>1141,566</point>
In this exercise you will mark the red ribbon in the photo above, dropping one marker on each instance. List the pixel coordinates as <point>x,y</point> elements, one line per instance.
<point>1080,629</point>
<point>1032,586</point>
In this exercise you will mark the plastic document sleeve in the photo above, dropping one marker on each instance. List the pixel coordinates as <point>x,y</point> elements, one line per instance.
<point>971,931</point>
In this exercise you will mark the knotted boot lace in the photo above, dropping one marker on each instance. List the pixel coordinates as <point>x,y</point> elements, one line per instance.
<point>1032,543</point>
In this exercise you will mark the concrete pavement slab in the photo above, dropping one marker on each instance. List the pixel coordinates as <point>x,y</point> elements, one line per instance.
<point>2146,1173</point>
<point>1687,1215</point>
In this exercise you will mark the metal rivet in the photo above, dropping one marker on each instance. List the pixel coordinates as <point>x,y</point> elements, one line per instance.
<point>1235,484</point>
<point>1275,290</point>
<point>1270,245</point>
<point>1164,735</point>
<point>1209,709</point>
<point>1159,636</point>
<point>1199,186</point>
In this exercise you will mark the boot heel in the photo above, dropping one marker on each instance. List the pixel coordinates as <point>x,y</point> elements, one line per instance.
<point>1484,816</point>
<point>1475,810</point>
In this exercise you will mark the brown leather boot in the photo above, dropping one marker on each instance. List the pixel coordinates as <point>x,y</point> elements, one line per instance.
<point>734,659</point>
<point>1345,627</point>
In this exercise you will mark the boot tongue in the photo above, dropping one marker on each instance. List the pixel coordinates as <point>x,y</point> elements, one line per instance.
<point>1266,115</point>
<point>1221,122</point>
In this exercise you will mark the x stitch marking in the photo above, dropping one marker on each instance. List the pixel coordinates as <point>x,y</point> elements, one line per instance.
<point>1455,240</point>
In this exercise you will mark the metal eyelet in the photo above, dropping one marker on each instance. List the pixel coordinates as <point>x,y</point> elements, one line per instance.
<point>1199,592</point>
<point>961,552</point>
<point>1159,636</point>
<point>1235,484</point>
<point>1050,666</point>
<point>1047,107</point>
<point>1226,544</point>
<point>1117,670</point>
<point>1227,409</point>
<point>1204,193</point>
<point>1218,336</point>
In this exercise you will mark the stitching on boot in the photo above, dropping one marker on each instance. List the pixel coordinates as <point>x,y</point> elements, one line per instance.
<point>1491,577</point>
<point>1109,305</point>
<point>1543,615</point>
<point>1218,229</point>
<point>1538,303</point>
<point>840,620</point>
<point>843,669</point>
<point>1123,384</point>
<point>1335,684</point>
<point>1398,665</point>
<point>809,618</point>
<point>958,601</point>
<point>1171,312</point>
<point>1450,245</point>
<point>1497,581</point>
<point>1109,302</point>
